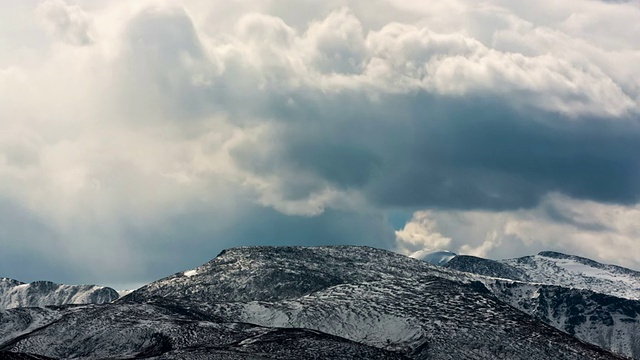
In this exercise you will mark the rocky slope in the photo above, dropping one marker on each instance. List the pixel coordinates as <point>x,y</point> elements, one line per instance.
<point>559,269</point>
<point>486,267</point>
<point>553,268</point>
<point>366,295</point>
<point>594,302</point>
<point>292,303</point>
<point>166,331</point>
<point>607,321</point>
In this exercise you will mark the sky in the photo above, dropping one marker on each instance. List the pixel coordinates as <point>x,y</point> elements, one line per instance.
<point>139,139</point>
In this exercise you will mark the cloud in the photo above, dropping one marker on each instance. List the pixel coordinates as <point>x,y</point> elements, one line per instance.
<point>472,126</point>
<point>420,233</point>
<point>182,128</point>
<point>599,231</point>
<point>65,22</point>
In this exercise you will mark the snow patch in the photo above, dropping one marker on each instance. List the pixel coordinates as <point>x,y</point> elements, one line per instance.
<point>435,257</point>
<point>190,273</point>
<point>574,273</point>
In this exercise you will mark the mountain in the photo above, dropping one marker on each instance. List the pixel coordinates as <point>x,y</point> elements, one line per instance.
<point>559,269</point>
<point>366,295</point>
<point>279,273</point>
<point>166,331</point>
<point>486,267</point>
<point>554,268</point>
<point>297,302</point>
<point>435,257</point>
<point>14,293</point>
<point>594,302</point>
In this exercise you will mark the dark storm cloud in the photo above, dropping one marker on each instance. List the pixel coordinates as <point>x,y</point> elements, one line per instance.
<point>459,153</point>
<point>483,154</point>
<point>566,216</point>
<point>408,149</point>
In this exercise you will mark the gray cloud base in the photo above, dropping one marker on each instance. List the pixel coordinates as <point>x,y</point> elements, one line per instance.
<point>457,153</point>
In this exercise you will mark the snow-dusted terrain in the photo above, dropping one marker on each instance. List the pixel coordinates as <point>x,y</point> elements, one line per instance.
<point>15,294</point>
<point>435,257</point>
<point>594,302</point>
<point>165,331</point>
<point>296,303</point>
<point>608,321</point>
<point>370,296</point>
<point>553,268</point>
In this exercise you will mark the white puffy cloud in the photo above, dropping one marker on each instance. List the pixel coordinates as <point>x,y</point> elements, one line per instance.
<point>420,233</point>
<point>337,44</point>
<point>66,22</point>
<point>595,230</point>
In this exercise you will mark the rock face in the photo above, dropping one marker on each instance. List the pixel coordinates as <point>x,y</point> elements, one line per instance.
<point>15,294</point>
<point>294,303</point>
<point>594,302</point>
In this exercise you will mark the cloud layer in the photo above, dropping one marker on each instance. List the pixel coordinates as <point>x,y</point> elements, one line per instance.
<point>595,230</point>
<point>135,134</point>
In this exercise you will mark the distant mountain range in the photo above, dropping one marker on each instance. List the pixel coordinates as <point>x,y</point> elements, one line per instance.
<point>15,294</point>
<point>553,268</point>
<point>342,303</point>
<point>594,302</point>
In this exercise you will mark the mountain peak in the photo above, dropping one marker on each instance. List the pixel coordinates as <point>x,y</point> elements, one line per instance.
<point>265,273</point>
<point>554,254</point>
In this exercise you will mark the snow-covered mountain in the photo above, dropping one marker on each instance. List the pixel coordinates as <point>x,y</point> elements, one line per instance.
<point>607,321</point>
<point>435,257</point>
<point>366,295</point>
<point>554,268</point>
<point>163,330</point>
<point>14,293</point>
<point>296,302</point>
<point>595,302</point>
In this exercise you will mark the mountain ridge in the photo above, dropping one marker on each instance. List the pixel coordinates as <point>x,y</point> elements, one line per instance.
<point>14,293</point>
<point>340,302</point>
<point>597,303</point>
<point>555,268</point>
<point>310,307</point>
